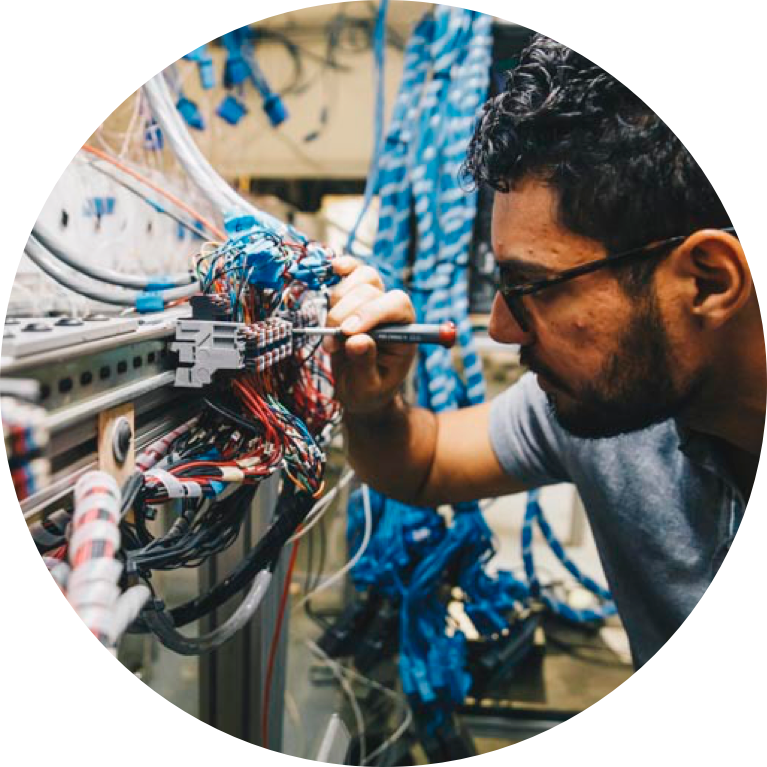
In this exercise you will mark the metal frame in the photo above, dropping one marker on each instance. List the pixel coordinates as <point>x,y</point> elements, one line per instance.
<point>141,371</point>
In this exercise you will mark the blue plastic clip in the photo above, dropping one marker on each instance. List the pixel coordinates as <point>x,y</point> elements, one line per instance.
<point>153,138</point>
<point>231,110</point>
<point>190,113</point>
<point>149,302</point>
<point>275,109</point>
<point>207,74</point>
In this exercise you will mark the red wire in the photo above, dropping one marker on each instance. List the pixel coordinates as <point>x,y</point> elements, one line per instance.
<point>273,648</point>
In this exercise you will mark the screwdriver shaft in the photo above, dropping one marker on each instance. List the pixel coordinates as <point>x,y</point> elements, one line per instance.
<point>416,333</point>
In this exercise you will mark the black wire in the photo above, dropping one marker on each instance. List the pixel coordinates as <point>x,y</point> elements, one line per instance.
<point>198,534</point>
<point>313,581</point>
<point>292,507</point>
<point>250,426</point>
<point>130,490</point>
<point>180,221</point>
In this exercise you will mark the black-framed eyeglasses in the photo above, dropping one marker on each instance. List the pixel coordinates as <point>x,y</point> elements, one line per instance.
<point>513,291</point>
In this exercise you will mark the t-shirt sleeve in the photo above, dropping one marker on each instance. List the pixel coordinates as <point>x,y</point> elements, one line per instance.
<point>527,441</point>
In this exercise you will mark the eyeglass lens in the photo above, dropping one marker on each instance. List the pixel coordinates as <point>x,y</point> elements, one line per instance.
<point>517,309</point>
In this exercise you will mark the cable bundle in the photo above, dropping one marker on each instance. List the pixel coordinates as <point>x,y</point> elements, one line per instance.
<point>446,75</point>
<point>26,439</point>
<point>256,421</point>
<point>412,558</point>
<point>92,585</point>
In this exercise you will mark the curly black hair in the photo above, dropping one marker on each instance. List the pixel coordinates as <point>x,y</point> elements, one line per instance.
<point>622,177</point>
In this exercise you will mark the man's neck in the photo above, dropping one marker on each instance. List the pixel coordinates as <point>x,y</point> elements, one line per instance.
<point>731,409</point>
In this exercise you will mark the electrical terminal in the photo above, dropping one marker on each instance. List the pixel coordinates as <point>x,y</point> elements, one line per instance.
<point>205,347</point>
<point>267,343</point>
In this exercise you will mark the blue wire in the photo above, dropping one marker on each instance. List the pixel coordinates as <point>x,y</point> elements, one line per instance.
<point>379,55</point>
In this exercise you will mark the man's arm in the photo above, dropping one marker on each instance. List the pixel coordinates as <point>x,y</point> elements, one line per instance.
<point>407,453</point>
<point>417,457</point>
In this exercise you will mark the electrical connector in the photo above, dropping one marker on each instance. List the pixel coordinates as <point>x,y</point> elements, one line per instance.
<point>267,343</point>
<point>205,347</point>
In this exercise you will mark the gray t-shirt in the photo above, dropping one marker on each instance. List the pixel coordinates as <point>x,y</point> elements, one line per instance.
<point>662,507</point>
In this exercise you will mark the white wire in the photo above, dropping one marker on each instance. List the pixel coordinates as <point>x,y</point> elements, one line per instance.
<point>319,508</point>
<point>353,561</point>
<point>400,700</point>
<point>131,129</point>
<point>394,737</point>
<point>338,673</point>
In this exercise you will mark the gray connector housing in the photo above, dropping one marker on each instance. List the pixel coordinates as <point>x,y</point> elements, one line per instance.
<point>204,347</point>
<point>207,346</point>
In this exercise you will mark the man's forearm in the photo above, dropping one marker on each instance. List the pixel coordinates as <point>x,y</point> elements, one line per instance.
<point>392,450</point>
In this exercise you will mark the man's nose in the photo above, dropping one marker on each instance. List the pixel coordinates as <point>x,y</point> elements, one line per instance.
<point>503,327</point>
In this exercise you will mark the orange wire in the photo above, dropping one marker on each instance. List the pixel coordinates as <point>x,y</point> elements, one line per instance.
<point>168,196</point>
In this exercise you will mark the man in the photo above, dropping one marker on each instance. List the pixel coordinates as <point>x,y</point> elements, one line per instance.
<point>630,296</point>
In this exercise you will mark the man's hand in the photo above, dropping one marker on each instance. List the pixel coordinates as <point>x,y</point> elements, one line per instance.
<point>367,376</point>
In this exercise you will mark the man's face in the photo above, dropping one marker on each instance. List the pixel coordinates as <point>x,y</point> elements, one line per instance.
<point>603,358</point>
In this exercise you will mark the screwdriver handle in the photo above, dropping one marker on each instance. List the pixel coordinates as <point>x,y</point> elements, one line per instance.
<point>416,333</point>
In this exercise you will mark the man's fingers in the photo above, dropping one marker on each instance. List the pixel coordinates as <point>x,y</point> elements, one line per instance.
<point>362,347</point>
<point>359,364</point>
<point>365,309</point>
<point>393,307</point>
<point>361,275</point>
<point>349,305</point>
<point>345,265</point>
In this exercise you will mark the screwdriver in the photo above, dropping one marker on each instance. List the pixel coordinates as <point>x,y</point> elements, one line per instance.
<point>417,333</point>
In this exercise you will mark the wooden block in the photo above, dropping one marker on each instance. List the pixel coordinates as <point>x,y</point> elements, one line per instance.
<point>107,422</point>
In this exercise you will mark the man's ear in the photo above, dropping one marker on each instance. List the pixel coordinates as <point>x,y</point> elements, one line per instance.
<point>714,268</point>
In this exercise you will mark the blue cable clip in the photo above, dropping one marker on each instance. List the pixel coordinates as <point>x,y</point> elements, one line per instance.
<point>231,110</point>
<point>275,109</point>
<point>149,301</point>
<point>204,62</point>
<point>154,141</point>
<point>190,113</point>
<point>236,69</point>
<point>99,206</point>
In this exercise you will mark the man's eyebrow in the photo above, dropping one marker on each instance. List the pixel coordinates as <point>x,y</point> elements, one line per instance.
<point>524,269</point>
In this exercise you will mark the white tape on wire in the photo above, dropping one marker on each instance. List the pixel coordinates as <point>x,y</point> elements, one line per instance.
<point>173,486</point>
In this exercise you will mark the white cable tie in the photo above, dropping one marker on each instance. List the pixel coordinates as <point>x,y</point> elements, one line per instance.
<point>173,486</point>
